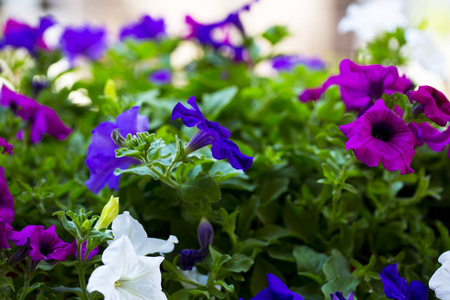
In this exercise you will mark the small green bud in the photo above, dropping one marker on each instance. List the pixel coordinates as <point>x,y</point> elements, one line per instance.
<point>109,213</point>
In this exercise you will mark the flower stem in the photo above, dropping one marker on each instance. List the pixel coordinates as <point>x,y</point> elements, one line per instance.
<point>27,279</point>
<point>84,294</point>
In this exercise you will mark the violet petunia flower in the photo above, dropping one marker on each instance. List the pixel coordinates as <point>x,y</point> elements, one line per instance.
<point>432,103</point>
<point>87,41</point>
<point>163,76</point>
<point>205,33</point>
<point>340,296</point>
<point>44,244</point>
<point>101,156</point>
<point>6,200</point>
<point>396,287</point>
<point>288,62</point>
<point>42,119</point>
<point>379,135</point>
<point>21,35</point>
<point>190,257</point>
<point>361,85</point>
<point>276,290</point>
<point>145,29</point>
<point>7,147</point>
<point>91,254</point>
<point>424,133</point>
<point>210,133</point>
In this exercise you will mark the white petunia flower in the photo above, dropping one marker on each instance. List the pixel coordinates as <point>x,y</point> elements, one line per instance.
<point>126,225</point>
<point>440,281</point>
<point>194,276</point>
<point>126,275</point>
<point>372,18</point>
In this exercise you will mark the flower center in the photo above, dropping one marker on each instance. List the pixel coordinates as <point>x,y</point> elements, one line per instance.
<point>382,131</point>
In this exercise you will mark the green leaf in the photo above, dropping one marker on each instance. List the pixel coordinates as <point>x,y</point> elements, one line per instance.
<point>309,262</point>
<point>139,170</point>
<point>214,103</point>
<point>239,263</point>
<point>68,225</point>
<point>271,189</point>
<point>275,34</point>
<point>202,188</point>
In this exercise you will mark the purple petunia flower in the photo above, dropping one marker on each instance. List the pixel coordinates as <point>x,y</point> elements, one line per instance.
<point>210,133</point>
<point>276,290</point>
<point>91,254</point>
<point>21,35</point>
<point>42,119</point>
<point>340,296</point>
<point>44,244</point>
<point>432,103</point>
<point>7,147</point>
<point>288,62</point>
<point>396,287</point>
<point>146,29</point>
<point>163,76</point>
<point>204,33</point>
<point>379,135</point>
<point>189,258</point>
<point>6,211</point>
<point>87,41</point>
<point>424,133</point>
<point>360,85</point>
<point>101,156</point>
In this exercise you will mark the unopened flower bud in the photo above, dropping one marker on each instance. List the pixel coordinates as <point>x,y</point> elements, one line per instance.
<point>109,213</point>
<point>118,138</point>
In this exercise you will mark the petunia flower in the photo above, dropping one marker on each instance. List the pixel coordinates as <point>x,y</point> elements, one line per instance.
<point>163,76</point>
<point>340,296</point>
<point>6,210</point>
<point>21,35</point>
<point>424,133</point>
<point>189,258</point>
<point>276,290</point>
<point>145,29</point>
<point>42,119</point>
<point>44,243</point>
<point>126,225</point>
<point>101,157</point>
<point>7,147</point>
<point>361,85</point>
<point>287,62</point>
<point>126,275</point>
<point>210,133</point>
<point>396,287</point>
<point>204,33</point>
<point>432,103</point>
<point>440,281</point>
<point>379,135</point>
<point>87,41</point>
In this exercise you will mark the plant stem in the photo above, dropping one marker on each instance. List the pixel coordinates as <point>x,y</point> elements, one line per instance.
<point>27,279</point>
<point>84,294</point>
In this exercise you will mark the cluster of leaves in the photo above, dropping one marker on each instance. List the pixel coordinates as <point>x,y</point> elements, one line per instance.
<point>306,211</point>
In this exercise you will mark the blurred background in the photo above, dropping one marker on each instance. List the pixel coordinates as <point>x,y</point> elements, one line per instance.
<point>313,23</point>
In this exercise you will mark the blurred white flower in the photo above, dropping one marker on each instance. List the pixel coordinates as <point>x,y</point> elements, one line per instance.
<point>126,225</point>
<point>440,281</point>
<point>126,275</point>
<point>194,276</point>
<point>372,18</point>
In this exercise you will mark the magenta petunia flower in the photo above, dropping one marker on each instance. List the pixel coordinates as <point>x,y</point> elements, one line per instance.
<point>379,135</point>
<point>6,200</point>
<point>7,147</point>
<point>44,244</point>
<point>433,104</point>
<point>424,133</point>
<point>21,35</point>
<point>42,119</point>
<point>360,85</point>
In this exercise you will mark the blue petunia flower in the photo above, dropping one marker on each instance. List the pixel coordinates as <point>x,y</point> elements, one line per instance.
<point>101,157</point>
<point>87,41</point>
<point>276,290</point>
<point>340,296</point>
<point>190,257</point>
<point>287,62</point>
<point>21,35</point>
<point>204,33</point>
<point>146,28</point>
<point>210,133</point>
<point>163,76</point>
<point>396,287</point>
